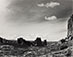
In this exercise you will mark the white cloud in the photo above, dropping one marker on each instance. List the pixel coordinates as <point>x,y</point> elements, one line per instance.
<point>41,5</point>
<point>51,4</point>
<point>50,18</point>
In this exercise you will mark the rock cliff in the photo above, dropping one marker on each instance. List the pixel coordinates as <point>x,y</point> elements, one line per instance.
<point>70,26</point>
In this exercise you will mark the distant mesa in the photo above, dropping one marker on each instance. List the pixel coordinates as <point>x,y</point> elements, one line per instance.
<point>20,42</point>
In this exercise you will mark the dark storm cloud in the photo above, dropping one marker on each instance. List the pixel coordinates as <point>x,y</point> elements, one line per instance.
<point>64,10</point>
<point>65,13</point>
<point>25,11</point>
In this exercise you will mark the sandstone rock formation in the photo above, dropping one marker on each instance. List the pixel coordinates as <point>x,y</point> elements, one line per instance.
<point>70,26</point>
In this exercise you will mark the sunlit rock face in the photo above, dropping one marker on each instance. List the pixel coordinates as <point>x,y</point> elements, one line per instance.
<point>70,26</point>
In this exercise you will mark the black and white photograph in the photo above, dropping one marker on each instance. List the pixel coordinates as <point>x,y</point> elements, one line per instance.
<point>36,28</point>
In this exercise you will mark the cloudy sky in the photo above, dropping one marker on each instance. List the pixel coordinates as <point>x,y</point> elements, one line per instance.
<point>32,18</point>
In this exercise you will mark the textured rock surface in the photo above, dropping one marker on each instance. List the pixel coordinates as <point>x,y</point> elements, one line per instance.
<point>70,26</point>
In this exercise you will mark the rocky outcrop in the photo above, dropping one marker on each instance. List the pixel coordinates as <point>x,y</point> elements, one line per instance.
<point>70,26</point>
